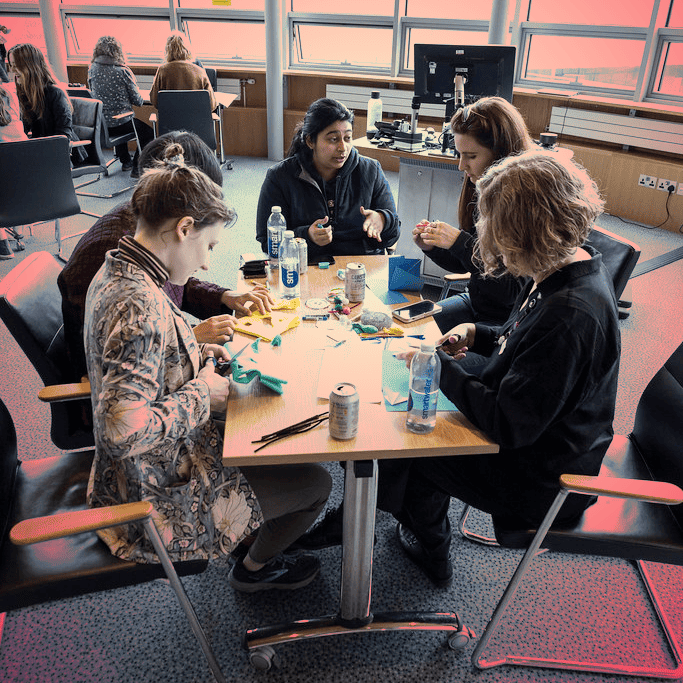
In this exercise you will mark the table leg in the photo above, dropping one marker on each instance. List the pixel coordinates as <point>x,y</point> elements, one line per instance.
<point>360,498</point>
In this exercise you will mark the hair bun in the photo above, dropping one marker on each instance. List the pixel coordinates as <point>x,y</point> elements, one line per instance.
<point>174,154</point>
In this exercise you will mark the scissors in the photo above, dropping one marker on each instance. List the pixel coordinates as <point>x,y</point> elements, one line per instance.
<point>222,366</point>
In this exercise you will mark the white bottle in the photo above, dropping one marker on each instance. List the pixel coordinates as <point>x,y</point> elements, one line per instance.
<point>374,111</point>
<point>289,266</point>
<point>275,227</point>
<point>425,373</point>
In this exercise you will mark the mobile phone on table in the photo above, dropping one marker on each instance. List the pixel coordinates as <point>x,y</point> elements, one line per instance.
<point>416,311</point>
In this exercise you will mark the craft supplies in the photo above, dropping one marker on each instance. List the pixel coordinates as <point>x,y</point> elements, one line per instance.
<point>266,325</point>
<point>315,317</point>
<point>344,409</point>
<point>323,265</point>
<point>298,428</point>
<point>354,281</point>
<point>316,304</point>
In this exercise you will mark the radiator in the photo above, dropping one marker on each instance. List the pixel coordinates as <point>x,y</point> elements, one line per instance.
<point>393,101</point>
<point>228,85</point>
<point>663,136</point>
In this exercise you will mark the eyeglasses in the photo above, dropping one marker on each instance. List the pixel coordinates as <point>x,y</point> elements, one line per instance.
<point>469,109</point>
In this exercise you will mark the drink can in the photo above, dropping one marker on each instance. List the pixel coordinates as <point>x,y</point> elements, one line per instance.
<point>354,282</point>
<point>344,407</point>
<point>303,254</point>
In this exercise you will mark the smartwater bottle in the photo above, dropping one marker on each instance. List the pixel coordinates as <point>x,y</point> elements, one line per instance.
<point>374,113</point>
<point>425,373</point>
<point>275,227</point>
<point>289,266</point>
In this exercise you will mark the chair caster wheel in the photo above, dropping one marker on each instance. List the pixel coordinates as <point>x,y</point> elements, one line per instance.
<point>264,658</point>
<point>460,639</point>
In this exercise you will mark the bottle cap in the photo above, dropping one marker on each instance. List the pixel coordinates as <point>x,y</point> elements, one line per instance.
<point>427,347</point>
<point>374,95</point>
<point>288,233</point>
<point>276,209</point>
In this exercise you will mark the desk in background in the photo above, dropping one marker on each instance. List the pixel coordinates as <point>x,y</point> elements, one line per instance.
<point>254,410</point>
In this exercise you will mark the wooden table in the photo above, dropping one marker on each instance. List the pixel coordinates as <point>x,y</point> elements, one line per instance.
<point>389,157</point>
<point>254,410</point>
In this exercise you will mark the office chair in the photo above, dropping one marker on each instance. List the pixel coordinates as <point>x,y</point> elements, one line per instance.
<point>31,308</point>
<point>188,110</point>
<point>80,98</point>
<point>36,184</point>
<point>49,549</point>
<point>632,518</point>
<point>213,78</point>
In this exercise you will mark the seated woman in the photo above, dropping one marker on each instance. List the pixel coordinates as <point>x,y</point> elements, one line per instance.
<point>484,132</point>
<point>111,81</point>
<point>203,300</point>
<point>548,393</point>
<point>153,393</point>
<point>336,199</point>
<point>180,72</point>
<point>11,128</point>
<point>45,107</point>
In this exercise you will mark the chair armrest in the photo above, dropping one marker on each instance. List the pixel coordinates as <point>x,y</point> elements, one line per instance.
<point>153,116</point>
<point>69,523</point>
<point>456,277</point>
<point>79,143</point>
<point>65,392</point>
<point>638,489</point>
<point>123,115</point>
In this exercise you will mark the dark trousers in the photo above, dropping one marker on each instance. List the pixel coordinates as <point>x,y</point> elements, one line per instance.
<point>145,135</point>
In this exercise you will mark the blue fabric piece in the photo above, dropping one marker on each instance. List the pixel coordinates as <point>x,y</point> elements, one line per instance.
<point>380,290</point>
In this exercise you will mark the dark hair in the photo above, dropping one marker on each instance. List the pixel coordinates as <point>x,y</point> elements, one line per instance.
<point>321,114</point>
<point>195,152</point>
<point>497,125</point>
<point>172,190</point>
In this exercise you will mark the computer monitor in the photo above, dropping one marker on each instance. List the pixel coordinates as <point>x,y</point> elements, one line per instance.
<point>487,69</point>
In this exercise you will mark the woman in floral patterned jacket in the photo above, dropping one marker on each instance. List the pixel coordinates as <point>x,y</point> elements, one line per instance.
<point>152,401</point>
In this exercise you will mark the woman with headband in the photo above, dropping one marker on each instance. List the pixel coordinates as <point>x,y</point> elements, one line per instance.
<point>154,393</point>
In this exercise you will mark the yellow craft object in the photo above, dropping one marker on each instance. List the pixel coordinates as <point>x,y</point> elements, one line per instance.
<point>267,326</point>
<point>287,305</point>
<point>384,332</point>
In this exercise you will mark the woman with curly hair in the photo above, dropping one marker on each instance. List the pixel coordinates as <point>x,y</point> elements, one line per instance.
<point>112,81</point>
<point>155,389</point>
<point>547,394</point>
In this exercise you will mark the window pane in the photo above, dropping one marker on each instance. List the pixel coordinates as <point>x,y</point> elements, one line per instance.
<point>575,61</point>
<point>25,28</point>
<point>228,39</point>
<point>592,12</point>
<point>258,5</point>
<point>361,7</point>
<point>118,3</point>
<point>346,45</point>
<point>138,36</point>
<point>427,36</point>
<point>671,79</point>
<point>676,16</point>
<point>450,10</point>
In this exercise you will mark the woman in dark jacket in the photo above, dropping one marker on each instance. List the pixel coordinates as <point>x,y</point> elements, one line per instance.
<point>45,107</point>
<point>336,199</point>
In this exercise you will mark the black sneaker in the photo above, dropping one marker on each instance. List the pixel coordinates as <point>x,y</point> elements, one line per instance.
<point>286,571</point>
<point>437,568</point>
<point>325,533</point>
<point>127,165</point>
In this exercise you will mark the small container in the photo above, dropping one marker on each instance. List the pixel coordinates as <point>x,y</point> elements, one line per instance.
<point>303,254</point>
<point>344,408</point>
<point>354,282</point>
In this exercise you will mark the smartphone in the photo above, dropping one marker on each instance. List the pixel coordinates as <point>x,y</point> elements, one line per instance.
<point>416,311</point>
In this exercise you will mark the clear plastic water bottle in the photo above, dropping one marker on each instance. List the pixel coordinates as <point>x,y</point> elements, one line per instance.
<point>275,227</point>
<point>374,112</point>
<point>289,266</point>
<point>425,373</point>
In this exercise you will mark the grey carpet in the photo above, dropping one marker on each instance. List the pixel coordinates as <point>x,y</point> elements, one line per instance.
<point>139,634</point>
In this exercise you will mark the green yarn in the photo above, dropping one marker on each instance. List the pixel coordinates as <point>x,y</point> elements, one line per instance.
<point>358,328</point>
<point>277,340</point>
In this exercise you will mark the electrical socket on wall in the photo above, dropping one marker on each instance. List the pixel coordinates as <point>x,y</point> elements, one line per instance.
<point>680,188</point>
<point>647,181</point>
<point>664,185</point>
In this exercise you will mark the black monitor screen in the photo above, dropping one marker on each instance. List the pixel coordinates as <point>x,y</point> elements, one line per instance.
<point>488,70</point>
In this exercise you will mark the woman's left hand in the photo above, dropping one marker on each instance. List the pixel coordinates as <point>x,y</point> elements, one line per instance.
<point>439,234</point>
<point>373,224</point>
<point>238,300</point>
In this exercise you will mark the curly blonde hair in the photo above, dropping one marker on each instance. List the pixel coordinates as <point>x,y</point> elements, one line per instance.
<point>177,48</point>
<point>108,46</point>
<point>535,210</point>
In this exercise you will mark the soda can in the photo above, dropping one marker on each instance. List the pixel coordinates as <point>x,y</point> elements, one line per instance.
<point>354,282</point>
<point>303,254</point>
<point>344,407</point>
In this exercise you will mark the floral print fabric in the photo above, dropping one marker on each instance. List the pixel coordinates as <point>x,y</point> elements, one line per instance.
<point>154,436</point>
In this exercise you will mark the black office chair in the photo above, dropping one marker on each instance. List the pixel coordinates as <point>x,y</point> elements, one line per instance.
<point>640,526</point>
<point>31,308</point>
<point>188,110</point>
<point>48,546</point>
<point>213,78</point>
<point>36,184</point>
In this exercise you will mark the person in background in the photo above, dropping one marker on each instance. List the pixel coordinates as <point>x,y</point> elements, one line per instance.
<point>4,78</point>
<point>11,128</point>
<point>45,107</point>
<point>154,389</point>
<point>203,300</point>
<point>110,80</point>
<point>547,395</point>
<point>484,132</point>
<point>180,72</point>
<point>336,199</point>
